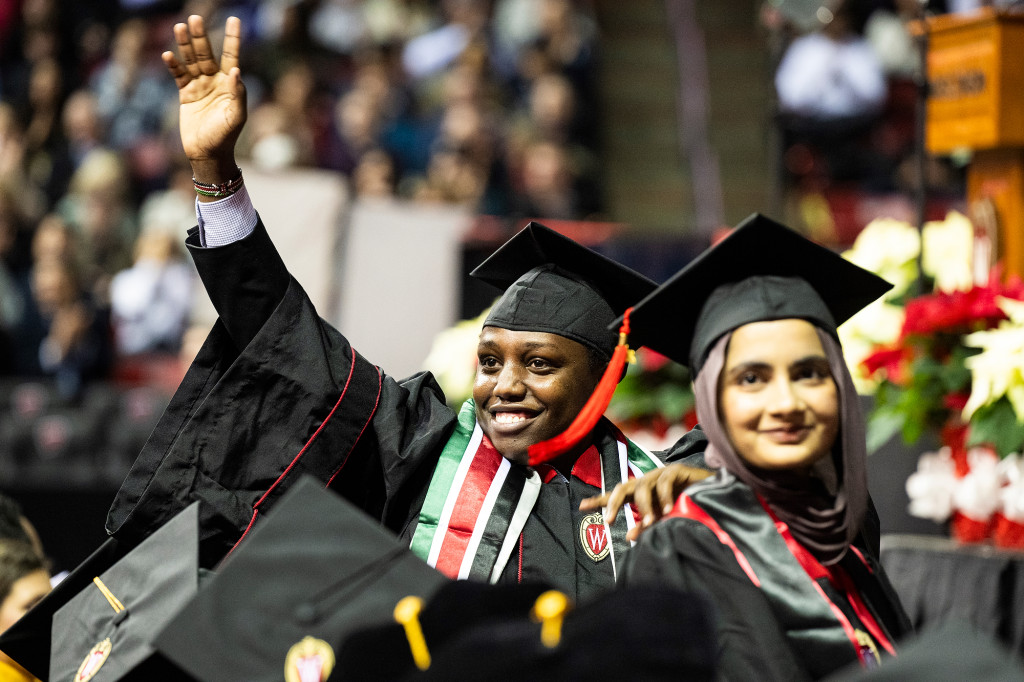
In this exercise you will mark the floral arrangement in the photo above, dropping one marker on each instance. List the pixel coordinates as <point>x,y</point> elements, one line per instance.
<point>944,352</point>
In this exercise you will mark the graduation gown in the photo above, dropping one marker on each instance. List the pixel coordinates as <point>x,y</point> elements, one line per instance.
<point>775,621</point>
<point>276,392</point>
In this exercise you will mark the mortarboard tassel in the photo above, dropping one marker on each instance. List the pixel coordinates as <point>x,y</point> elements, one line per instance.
<point>550,609</point>
<point>115,603</point>
<point>595,406</point>
<point>407,612</point>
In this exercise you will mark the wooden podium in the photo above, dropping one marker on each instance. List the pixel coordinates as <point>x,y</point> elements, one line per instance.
<point>975,72</point>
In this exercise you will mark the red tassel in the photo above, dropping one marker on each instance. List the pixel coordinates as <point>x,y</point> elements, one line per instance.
<point>594,409</point>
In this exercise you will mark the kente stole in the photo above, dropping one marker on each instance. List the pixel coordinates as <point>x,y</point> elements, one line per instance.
<point>478,502</point>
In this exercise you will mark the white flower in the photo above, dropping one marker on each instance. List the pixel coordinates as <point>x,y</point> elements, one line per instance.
<point>999,369</point>
<point>976,495</point>
<point>930,488</point>
<point>888,248</point>
<point>877,324</point>
<point>452,358</point>
<point>1011,497</point>
<point>948,252</point>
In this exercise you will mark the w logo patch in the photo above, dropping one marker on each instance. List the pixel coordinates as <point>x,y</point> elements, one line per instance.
<point>594,536</point>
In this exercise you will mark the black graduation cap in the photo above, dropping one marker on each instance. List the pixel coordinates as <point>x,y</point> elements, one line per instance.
<point>761,271</point>
<point>104,632</point>
<point>952,649</point>
<point>28,640</point>
<point>315,570</point>
<point>492,632</point>
<point>553,284</point>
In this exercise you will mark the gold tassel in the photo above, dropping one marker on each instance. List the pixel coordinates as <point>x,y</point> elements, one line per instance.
<point>407,612</point>
<point>550,609</point>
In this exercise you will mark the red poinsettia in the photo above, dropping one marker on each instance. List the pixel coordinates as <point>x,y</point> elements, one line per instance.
<point>960,311</point>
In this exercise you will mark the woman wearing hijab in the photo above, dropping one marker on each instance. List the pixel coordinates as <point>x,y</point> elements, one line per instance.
<point>773,537</point>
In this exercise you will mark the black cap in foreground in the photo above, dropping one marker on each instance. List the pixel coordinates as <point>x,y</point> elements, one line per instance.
<point>104,632</point>
<point>494,632</point>
<point>556,285</point>
<point>761,271</point>
<point>314,571</point>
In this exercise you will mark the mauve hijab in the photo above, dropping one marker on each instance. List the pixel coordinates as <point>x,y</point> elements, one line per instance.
<point>824,523</point>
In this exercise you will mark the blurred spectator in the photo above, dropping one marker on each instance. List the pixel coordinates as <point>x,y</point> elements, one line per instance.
<point>27,201</point>
<point>83,127</point>
<point>547,183</point>
<point>150,301</point>
<point>285,121</point>
<point>357,120</point>
<point>831,90</point>
<point>98,206</point>
<point>76,345</point>
<point>44,140</point>
<point>374,175</point>
<point>832,74</point>
<point>431,53</point>
<point>24,580</point>
<point>132,89</point>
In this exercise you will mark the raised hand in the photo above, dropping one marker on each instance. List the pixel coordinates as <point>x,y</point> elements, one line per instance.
<point>212,98</point>
<point>653,495</point>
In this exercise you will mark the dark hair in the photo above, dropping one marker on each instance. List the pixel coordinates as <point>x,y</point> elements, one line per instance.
<point>10,521</point>
<point>17,559</point>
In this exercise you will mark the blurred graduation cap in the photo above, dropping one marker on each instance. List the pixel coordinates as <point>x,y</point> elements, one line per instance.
<point>314,571</point>
<point>554,284</point>
<point>28,640</point>
<point>491,632</point>
<point>104,632</point>
<point>949,650</point>
<point>761,271</point>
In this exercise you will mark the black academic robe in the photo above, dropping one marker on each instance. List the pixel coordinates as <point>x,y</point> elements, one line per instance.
<point>785,626</point>
<point>276,392</point>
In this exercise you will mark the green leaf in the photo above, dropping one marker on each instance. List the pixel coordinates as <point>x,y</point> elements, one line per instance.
<point>882,425</point>
<point>997,425</point>
<point>675,401</point>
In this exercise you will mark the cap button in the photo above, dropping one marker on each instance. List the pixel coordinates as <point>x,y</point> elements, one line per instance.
<point>305,614</point>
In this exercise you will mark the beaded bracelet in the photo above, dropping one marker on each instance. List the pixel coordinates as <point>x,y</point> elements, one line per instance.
<point>225,189</point>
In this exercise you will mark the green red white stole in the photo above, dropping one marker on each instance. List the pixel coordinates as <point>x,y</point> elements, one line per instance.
<point>478,502</point>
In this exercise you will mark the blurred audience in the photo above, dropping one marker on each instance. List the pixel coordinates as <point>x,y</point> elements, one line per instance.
<point>484,105</point>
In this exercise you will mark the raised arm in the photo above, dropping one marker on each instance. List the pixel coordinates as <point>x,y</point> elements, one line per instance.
<point>246,279</point>
<point>212,98</point>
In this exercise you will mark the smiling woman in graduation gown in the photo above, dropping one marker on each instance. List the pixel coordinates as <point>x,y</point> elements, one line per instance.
<point>772,538</point>
<point>275,392</point>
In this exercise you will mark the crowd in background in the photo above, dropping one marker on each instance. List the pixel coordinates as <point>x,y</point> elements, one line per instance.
<point>487,105</point>
<point>491,105</point>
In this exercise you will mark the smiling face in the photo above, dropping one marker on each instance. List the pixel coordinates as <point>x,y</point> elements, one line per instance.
<point>777,399</point>
<point>529,387</point>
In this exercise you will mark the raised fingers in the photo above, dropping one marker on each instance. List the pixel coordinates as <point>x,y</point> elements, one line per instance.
<point>205,63</point>
<point>185,50</point>
<point>177,70</point>
<point>232,44</point>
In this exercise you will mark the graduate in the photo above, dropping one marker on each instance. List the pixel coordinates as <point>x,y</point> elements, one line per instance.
<point>486,493</point>
<point>275,392</point>
<point>773,539</point>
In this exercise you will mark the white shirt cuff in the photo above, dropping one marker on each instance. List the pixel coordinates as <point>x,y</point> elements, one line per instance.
<point>226,220</point>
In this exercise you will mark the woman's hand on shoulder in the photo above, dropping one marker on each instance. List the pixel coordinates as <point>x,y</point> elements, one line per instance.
<point>653,495</point>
